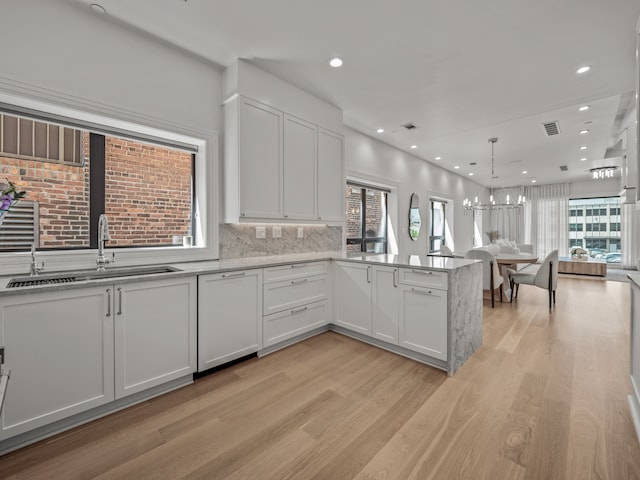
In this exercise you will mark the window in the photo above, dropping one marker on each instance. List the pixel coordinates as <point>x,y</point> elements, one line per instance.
<point>600,229</point>
<point>72,175</point>
<point>366,219</point>
<point>438,225</point>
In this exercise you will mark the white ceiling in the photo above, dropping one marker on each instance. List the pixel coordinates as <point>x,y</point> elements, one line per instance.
<point>463,71</point>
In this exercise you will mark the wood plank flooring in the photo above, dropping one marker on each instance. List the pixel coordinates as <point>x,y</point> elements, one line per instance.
<point>545,397</point>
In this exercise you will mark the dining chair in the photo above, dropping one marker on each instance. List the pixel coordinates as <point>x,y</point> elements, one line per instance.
<point>544,275</point>
<point>445,251</point>
<point>491,278</point>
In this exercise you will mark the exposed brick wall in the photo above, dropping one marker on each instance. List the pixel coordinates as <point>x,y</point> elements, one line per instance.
<point>63,195</point>
<point>147,194</point>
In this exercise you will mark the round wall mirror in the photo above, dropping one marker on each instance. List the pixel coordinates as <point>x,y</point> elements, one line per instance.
<point>414,217</point>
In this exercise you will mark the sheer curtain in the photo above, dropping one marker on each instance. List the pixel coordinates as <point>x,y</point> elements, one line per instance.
<point>509,222</point>
<point>546,218</point>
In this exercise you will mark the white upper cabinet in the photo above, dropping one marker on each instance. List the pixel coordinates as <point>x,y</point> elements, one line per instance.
<point>283,153</point>
<point>259,160</point>
<point>331,184</point>
<point>300,154</point>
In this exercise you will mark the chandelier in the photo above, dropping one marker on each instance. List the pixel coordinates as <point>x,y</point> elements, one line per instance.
<point>505,202</point>
<point>602,172</point>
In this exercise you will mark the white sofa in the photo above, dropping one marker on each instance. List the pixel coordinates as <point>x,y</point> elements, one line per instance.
<point>506,246</point>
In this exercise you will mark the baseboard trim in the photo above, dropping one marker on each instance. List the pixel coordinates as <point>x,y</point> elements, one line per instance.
<point>634,406</point>
<point>33,436</point>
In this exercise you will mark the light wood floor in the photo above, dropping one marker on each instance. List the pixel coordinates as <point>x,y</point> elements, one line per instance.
<point>545,397</point>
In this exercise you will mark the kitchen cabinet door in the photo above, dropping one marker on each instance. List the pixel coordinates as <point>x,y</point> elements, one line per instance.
<point>260,160</point>
<point>155,333</point>
<point>353,296</point>
<point>229,316</point>
<point>423,321</point>
<point>59,349</point>
<point>300,151</point>
<point>385,304</point>
<point>331,180</point>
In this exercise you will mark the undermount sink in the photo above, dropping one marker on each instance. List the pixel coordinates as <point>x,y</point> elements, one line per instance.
<point>86,275</point>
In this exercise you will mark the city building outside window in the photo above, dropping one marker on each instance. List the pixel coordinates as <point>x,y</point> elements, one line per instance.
<point>598,230</point>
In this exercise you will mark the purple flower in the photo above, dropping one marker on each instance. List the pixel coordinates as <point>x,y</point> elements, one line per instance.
<point>6,201</point>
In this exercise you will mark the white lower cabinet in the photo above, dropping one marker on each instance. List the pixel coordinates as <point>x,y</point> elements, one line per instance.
<point>282,326</point>
<point>59,349</point>
<point>295,300</point>
<point>155,333</point>
<point>384,304</point>
<point>353,296</point>
<point>229,316</point>
<point>423,320</point>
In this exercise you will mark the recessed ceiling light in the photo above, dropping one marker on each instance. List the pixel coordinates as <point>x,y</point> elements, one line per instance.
<point>584,132</point>
<point>584,108</point>
<point>457,167</point>
<point>98,8</point>
<point>335,62</point>
<point>438,158</point>
<point>524,172</point>
<point>533,181</point>
<point>583,159</point>
<point>381,130</point>
<point>583,147</point>
<point>414,146</point>
<point>583,69</point>
<point>471,174</point>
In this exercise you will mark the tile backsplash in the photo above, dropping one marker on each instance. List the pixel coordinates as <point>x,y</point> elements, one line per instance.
<point>239,240</point>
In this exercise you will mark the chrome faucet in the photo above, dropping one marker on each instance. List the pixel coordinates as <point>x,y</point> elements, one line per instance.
<point>34,269</point>
<point>103,236</point>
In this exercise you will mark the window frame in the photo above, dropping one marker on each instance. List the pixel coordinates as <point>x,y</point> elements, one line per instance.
<point>110,120</point>
<point>362,240</point>
<point>432,237</point>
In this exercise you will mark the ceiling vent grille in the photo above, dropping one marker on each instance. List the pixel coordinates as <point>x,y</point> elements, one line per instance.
<point>552,128</point>
<point>410,126</point>
<point>563,168</point>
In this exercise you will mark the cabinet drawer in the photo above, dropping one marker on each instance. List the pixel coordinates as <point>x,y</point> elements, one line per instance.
<point>295,270</point>
<point>284,325</point>
<point>423,278</point>
<point>279,296</point>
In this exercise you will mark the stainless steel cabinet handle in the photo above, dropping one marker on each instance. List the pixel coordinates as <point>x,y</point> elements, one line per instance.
<point>298,265</point>
<point>395,280</point>
<point>298,282</point>
<point>108,302</point>
<point>119,301</point>
<point>422,272</point>
<point>298,310</point>
<point>231,275</point>
<point>369,274</point>
<point>421,292</point>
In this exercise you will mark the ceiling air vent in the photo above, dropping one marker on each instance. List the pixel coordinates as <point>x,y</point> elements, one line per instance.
<point>410,126</point>
<point>552,128</point>
<point>563,168</point>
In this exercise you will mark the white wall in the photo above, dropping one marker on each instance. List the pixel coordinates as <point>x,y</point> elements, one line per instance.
<point>64,47</point>
<point>370,158</point>
<point>595,188</point>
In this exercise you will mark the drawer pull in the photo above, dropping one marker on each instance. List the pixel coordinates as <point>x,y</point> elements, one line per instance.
<point>395,280</point>
<point>299,282</point>
<point>298,265</point>
<point>421,292</point>
<point>422,272</point>
<point>108,302</point>
<point>298,310</point>
<point>231,275</point>
<point>119,301</point>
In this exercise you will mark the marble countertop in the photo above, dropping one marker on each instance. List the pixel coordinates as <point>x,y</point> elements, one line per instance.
<point>635,279</point>
<point>220,266</point>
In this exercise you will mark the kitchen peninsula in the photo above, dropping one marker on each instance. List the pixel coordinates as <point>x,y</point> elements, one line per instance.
<point>124,339</point>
